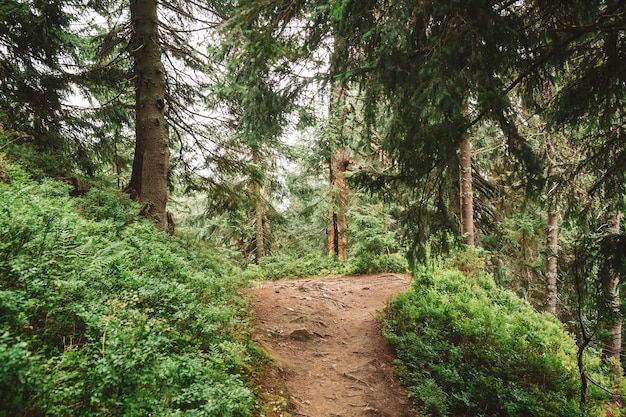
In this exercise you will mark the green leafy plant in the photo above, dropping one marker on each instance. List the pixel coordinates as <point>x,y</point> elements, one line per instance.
<point>371,229</point>
<point>467,347</point>
<point>283,267</point>
<point>369,264</point>
<point>102,315</point>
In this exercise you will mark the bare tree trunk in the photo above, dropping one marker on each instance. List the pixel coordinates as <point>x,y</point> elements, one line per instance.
<point>134,186</point>
<point>259,206</point>
<point>259,229</point>
<point>466,192</point>
<point>338,163</point>
<point>552,232</point>
<point>338,225</point>
<point>331,234</point>
<point>613,349</point>
<point>552,260</point>
<point>151,160</point>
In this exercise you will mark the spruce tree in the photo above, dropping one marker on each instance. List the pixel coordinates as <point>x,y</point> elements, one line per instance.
<point>38,49</point>
<point>151,161</point>
<point>587,52</point>
<point>254,89</point>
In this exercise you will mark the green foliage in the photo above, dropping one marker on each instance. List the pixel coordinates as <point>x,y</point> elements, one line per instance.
<point>369,264</point>
<point>371,229</point>
<point>102,315</point>
<point>282,267</point>
<point>15,370</point>
<point>34,37</point>
<point>591,261</point>
<point>38,164</point>
<point>467,347</point>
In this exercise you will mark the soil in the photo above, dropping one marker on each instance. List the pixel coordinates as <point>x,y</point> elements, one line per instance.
<point>324,335</point>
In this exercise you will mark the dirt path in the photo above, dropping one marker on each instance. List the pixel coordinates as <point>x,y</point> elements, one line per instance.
<point>325,335</point>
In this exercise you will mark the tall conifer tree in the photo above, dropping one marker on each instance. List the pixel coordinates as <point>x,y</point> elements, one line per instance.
<point>151,162</point>
<point>37,48</point>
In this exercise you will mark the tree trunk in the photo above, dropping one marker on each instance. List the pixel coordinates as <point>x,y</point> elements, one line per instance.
<point>552,232</point>
<point>613,349</point>
<point>466,192</point>
<point>259,207</point>
<point>338,163</point>
<point>134,186</point>
<point>151,160</point>
<point>259,229</point>
<point>552,260</point>
<point>338,225</point>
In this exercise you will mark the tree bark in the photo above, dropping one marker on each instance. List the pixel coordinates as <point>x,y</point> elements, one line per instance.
<point>613,349</point>
<point>338,164</point>
<point>552,231</point>
<point>259,229</point>
<point>259,206</point>
<point>552,260</point>
<point>466,192</point>
<point>338,225</point>
<point>151,160</point>
<point>134,186</point>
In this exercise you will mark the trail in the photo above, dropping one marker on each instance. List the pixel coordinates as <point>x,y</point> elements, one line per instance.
<point>325,335</point>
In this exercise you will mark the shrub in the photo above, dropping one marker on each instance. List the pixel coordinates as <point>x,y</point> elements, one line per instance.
<point>102,315</point>
<point>369,264</point>
<point>16,375</point>
<point>283,267</point>
<point>467,347</point>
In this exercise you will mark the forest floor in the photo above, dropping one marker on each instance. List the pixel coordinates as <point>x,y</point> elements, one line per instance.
<point>330,357</point>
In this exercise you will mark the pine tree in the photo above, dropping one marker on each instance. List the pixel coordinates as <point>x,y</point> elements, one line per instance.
<point>587,53</point>
<point>38,49</point>
<point>165,64</point>
<point>255,86</point>
<point>447,70</point>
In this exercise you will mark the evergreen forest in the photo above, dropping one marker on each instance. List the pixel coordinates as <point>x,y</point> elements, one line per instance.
<point>156,156</point>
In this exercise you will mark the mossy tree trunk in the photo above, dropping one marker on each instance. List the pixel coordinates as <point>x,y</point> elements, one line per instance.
<point>337,164</point>
<point>337,117</point>
<point>337,223</point>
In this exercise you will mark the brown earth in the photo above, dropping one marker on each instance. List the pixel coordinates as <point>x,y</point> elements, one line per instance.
<point>324,334</point>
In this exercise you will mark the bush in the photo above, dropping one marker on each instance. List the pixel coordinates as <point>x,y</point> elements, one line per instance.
<point>369,264</point>
<point>102,315</point>
<point>15,375</point>
<point>466,347</point>
<point>283,267</point>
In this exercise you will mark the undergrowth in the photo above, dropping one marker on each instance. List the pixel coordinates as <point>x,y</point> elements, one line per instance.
<point>282,267</point>
<point>101,315</point>
<point>467,347</point>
